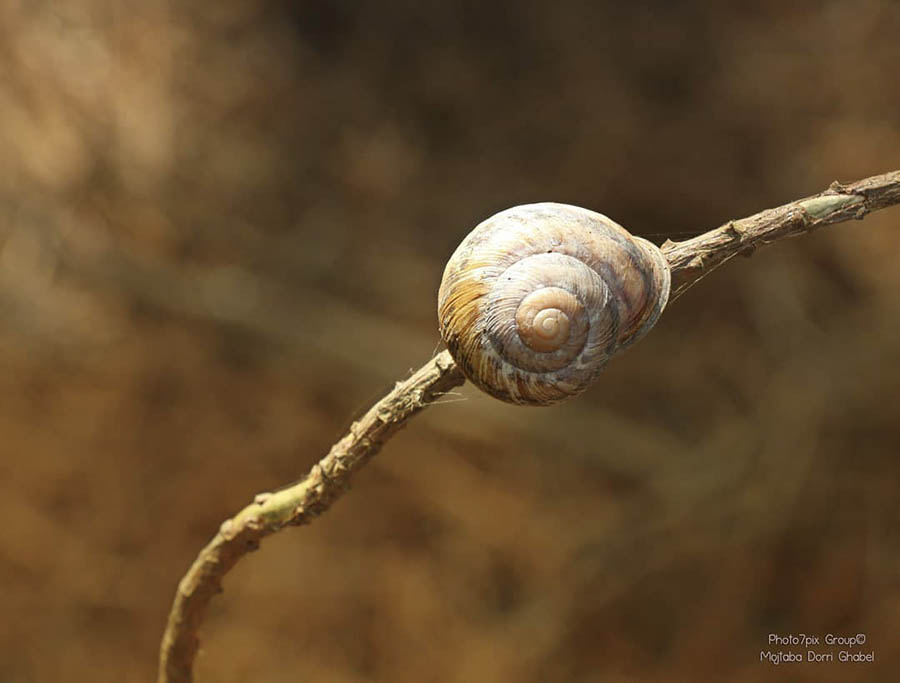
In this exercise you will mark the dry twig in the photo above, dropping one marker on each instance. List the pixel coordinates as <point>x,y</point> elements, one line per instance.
<point>689,261</point>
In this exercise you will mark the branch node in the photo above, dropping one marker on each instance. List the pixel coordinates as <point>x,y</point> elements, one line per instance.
<point>738,231</point>
<point>227,528</point>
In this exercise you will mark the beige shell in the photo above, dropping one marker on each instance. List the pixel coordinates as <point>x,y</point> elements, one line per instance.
<point>537,298</point>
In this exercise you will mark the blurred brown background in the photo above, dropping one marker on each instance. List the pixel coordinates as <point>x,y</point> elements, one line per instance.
<point>222,228</point>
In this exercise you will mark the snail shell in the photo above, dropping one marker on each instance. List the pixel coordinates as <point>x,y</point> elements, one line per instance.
<point>539,297</point>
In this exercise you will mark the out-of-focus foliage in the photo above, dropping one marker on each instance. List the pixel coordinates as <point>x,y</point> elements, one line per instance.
<point>222,227</point>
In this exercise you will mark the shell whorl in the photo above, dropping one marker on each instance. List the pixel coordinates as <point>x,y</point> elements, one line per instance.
<point>537,298</point>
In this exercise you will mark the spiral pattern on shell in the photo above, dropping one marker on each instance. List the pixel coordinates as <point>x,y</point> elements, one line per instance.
<point>537,298</point>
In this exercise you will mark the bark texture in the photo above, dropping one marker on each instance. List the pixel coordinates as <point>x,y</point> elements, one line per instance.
<point>689,261</point>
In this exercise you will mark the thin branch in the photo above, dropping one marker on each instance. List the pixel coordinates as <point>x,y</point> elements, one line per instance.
<point>329,479</point>
<point>296,505</point>
<point>695,258</point>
